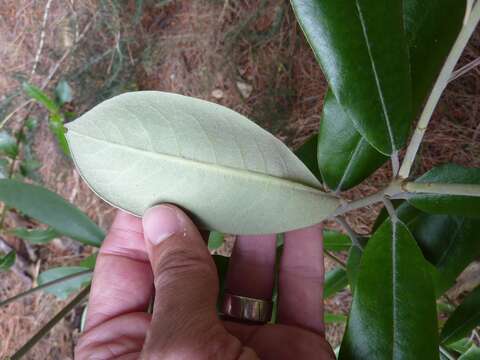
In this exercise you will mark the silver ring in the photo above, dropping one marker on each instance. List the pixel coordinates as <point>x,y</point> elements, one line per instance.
<point>245,308</point>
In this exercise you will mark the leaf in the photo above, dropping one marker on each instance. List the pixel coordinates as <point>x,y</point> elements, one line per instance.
<point>463,320</point>
<point>461,346</point>
<point>369,35</point>
<point>353,266</point>
<point>7,261</point>
<point>58,130</point>
<point>63,92</point>
<point>90,261</point>
<point>4,168</point>
<point>221,263</point>
<point>8,145</point>
<point>472,354</point>
<point>393,313</point>
<point>41,97</point>
<point>335,241</point>
<point>308,154</point>
<point>215,240</point>
<point>448,204</point>
<point>345,158</point>
<point>335,280</point>
<point>51,209</point>
<point>64,289</point>
<point>144,148</point>
<point>330,318</point>
<point>36,236</point>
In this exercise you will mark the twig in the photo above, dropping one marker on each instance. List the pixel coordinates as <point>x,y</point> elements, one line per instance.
<point>438,89</point>
<point>48,326</point>
<point>42,38</point>
<point>391,210</point>
<point>446,353</point>
<point>336,259</point>
<point>351,233</point>
<point>44,286</point>
<point>441,188</point>
<point>465,69</point>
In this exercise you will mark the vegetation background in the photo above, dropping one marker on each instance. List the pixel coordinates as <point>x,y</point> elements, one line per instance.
<point>249,55</point>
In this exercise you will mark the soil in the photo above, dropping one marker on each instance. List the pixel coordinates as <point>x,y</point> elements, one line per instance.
<point>248,55</point>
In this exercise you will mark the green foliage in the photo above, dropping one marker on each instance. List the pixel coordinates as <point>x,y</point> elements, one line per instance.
<point>197,148</point>
<point>393,295</point>
<point>472,354</point>
<point>8,145</point>
<point>335,280</point>
<point>463,320</point>
<point>51,209</point>
<point>307,152</point>
<point>330,318</point>
<point>347,36</point>
<point>449,204</point>
<point>7,261</point>
<point>335,241</point>
<point>353,264</point>
<point>36,236</point>
<point>63,92</point>
<point>63,289</point>
<point>215,240</point>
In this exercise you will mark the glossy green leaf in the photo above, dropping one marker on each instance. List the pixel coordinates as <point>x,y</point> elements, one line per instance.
<point>51,209</point>
<point>8,145</point>
<point>393,311</point>
<point>472,354</point>
<point>308,154</point>
<point>330,318</point>
<point>36,236</point>
<point>63,92</point>
<point>7,261</point>
<point>215,240</point>
<point>447,242</point>
<point>41,97</point>
<point>345,157</point>
<point>64,289</point>
<point>353,265</point>
<point>362,48</point>
<point>464,319</point>
<point>335,241</point>
<point>221,263</point>
<point>89,261</point>
<point>449,204</point>
<point>143,148</point>
<point>58,130</point>
<point>335,280</point>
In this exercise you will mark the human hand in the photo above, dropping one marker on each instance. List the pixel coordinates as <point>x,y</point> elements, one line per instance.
<point>167,257</point>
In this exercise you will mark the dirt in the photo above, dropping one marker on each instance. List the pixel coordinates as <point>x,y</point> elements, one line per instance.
<point>248,55</point>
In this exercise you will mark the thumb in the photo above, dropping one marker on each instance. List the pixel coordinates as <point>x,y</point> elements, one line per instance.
<point>186,286</point>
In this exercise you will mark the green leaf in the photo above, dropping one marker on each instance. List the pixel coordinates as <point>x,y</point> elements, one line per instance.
<point>449,204</point>
<point>41,97</point>
<point>58,130</point>
<point>345,157</point>
<point>90,261</point>
<point>143,148</point>
<point>393,313</point>
<point>330,318</point>
<point>63,92</point>
<point>308,154</point>
<point>221,263</point>
<point>335,280</point>
<point>51,209</point>
<point>461,346</point>
<point>4,168</point>
<point>64,289</point>
<point>28,168</point>
<point>335,241</point>
<point>353,266</point>
<point>369,35</point>
<point>7,261</point>
<point>464,319</point>
<point>36,236</point>
<point>8,145</point>
<point>215,240</point>
<point>448,242</point>
<point>472,354</point>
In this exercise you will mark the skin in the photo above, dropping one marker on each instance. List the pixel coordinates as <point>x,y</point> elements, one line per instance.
<point>166,256</point>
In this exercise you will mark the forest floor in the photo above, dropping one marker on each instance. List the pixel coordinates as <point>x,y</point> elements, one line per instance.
<point>248,55</point>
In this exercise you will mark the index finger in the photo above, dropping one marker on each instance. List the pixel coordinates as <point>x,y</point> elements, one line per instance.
<point>123,279</point>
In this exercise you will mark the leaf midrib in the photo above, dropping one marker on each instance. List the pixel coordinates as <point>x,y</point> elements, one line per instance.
<point>235,172</point>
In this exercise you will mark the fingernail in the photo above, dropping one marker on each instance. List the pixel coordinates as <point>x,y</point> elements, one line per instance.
<point>159,223</point>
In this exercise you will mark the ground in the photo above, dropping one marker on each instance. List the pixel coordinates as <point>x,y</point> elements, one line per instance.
<point>249,55</point>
